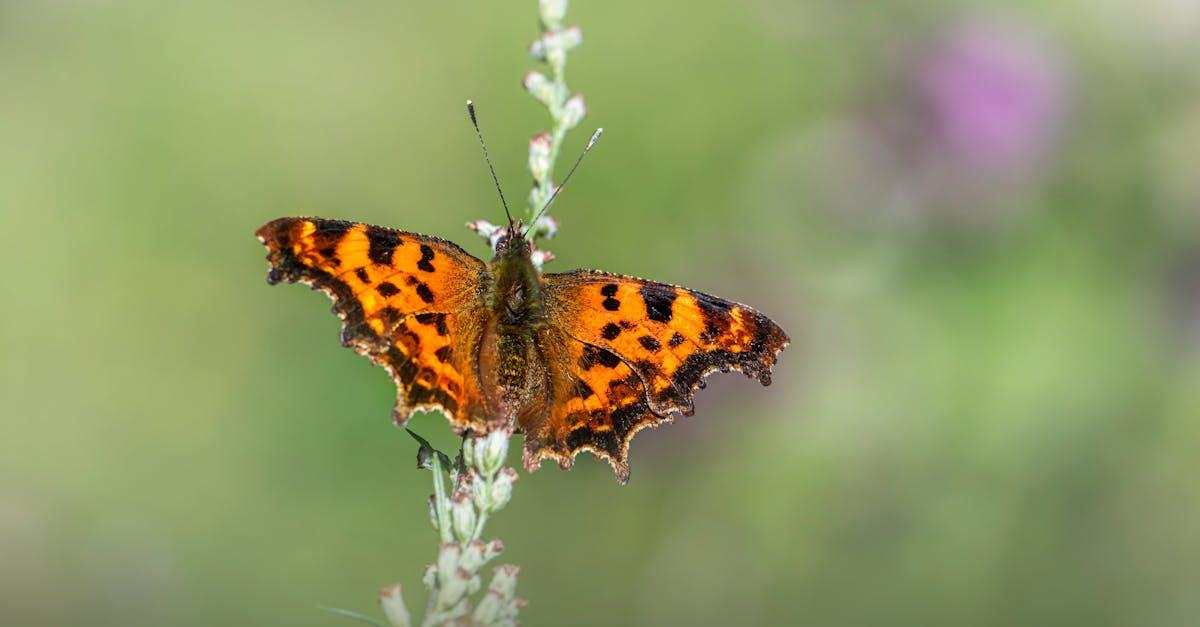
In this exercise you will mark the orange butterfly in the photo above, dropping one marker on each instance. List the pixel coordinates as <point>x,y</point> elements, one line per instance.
<point>577,361</point>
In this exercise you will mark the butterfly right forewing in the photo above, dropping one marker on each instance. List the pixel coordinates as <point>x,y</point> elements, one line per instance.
<point>634,353</point>
<point>409,302</point>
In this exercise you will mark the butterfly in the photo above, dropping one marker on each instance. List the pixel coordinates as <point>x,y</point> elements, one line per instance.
<point>577,361</point>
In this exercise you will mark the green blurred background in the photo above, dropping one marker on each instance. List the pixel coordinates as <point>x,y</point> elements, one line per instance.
<point>979,224</point>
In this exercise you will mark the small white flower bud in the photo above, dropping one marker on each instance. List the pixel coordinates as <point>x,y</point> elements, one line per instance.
<point>492,454</point>
<point>429,576</point>
<point>462,513</point>
<point>540,87</point>
<point>552,12</point>
<point>458,611</point>
<point>472,557</point>
<point>537,49</point>
<point>393,606</point>
<point>539,158</point>
<point>454,588</point>
<point>570,38</point>
<point>502,488</point>
<point>504,581</point>
<point>448,556</point>
<point>492,233</point>
<point>493,550</point>
<point>479,490</point>
<point>488,610</point>
<point>541,257</point>
<point>573,111</point>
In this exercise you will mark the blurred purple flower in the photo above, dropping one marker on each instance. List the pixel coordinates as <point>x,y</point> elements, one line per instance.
<point>957,129</point>
<point>994,93</point>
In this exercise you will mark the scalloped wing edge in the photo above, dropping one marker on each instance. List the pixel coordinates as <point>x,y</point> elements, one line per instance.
<point>351,336</point>
<point>534,450</point>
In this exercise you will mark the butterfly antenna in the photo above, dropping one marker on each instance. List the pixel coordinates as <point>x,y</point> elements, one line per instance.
<point>588,147</point>
<point>475,123</point>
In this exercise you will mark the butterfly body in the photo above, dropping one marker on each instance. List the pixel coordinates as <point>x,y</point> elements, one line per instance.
<point>515,329</point>
<point>577,361</point>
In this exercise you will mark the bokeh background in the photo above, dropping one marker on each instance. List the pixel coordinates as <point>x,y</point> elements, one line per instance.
<point>980,223</point>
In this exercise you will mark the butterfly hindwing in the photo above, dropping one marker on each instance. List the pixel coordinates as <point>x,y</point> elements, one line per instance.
<point>598,404</point>
<point>669,337</point>
<point>407,302</point>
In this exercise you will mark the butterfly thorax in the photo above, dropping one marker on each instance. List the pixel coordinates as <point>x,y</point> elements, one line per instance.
<point>517,301</point>
<point>508,351</point>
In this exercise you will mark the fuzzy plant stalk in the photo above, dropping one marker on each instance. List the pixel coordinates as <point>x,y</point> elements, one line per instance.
<point>566,112</point>
<point>470,488</point>
<point>466,492</point>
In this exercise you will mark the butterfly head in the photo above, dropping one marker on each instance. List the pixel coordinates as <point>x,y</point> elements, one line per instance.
<point>513,245</point>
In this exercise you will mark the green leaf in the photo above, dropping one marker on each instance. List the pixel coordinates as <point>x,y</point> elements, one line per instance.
<point>425,453</point>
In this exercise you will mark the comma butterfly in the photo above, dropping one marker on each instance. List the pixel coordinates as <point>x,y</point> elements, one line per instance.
<point>577,361</point>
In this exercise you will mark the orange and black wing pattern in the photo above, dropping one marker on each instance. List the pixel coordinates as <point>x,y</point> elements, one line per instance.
<point>639,350</point>
<point>409,302</point>
<point>598,403</point>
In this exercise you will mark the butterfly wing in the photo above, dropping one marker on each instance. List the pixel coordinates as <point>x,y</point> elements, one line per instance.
<point>636,352</point>
<point>409,302</point>
<point>598,403</point>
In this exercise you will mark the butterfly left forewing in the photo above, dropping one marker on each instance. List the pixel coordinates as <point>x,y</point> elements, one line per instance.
<point>669,337</point>
<point>409,302</point>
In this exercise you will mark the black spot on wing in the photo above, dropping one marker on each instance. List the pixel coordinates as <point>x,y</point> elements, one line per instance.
<point>435,319</point>
<point>442,354</point>
<point>608,291</point>
<point>649,343</point>
<point>582,389</point>
<point>426,257</point>
<point>331,230</point>
<point>390,317</point>
<point>387,290</point>
<point>714,328</point>
<point>425,293</point>
<point>381,244</point>
<point>712,304</point>
<point>660,300</point>
<point>610,331</point>
<point>593,355</point>
<point>362,275</point>
<point>676,340</point>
